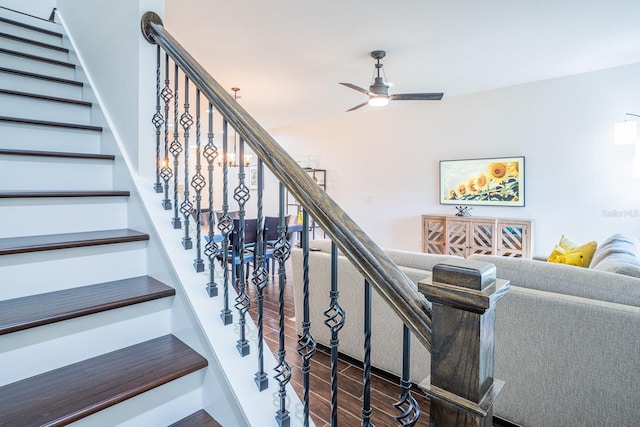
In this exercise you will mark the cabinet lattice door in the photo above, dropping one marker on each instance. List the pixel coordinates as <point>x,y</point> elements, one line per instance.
<point>513,238</point>
<point>433,236</point>
<point>482,237</point>
<point>464,236</point>
<point>457,242</point>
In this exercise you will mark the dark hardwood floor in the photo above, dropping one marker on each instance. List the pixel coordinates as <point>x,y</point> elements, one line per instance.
<point>350,383</point>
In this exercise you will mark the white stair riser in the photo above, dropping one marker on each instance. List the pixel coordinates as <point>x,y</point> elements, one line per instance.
<point>37,350</point>
<point>46,138</point>
<point>157,407</point>
<point>39,21</point>
<point>47,271</point>
<point>30,173</point>
<point>39,109</point>
<point>34,66</point>
<point>33,49</point>
<point>29,34</point>
<point>29,84</point>
<point>32,217</point>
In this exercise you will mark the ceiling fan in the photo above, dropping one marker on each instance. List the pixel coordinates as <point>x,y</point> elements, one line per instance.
<point>379,91</point>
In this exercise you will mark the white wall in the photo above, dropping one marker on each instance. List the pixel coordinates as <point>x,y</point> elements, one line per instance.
<point>121,66</point>
<point>40,8</point>
<point>383,164</point>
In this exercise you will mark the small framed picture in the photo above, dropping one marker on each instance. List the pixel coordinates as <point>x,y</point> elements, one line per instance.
<point>495,181</point>
<point>253,178</point>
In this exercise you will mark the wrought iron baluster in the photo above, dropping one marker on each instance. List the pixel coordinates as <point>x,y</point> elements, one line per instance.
<point>198,182</point>
<point>335,318</point>
<point>306,343</point>
<point>212,249</point>
<point>176,149</point>
<point>366,394</point>
<point>407,405</point>
<point>260,277</point>
<point>281,252</point>
<point>166,171</point>
<point>241,195</point>
<point>225,225</point>
<point>157,121</point>
<point>186,207</point>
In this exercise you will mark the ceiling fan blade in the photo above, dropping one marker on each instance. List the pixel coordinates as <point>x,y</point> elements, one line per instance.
<point>354,87</point>
<point>358,106</point>
<point>417,96</point>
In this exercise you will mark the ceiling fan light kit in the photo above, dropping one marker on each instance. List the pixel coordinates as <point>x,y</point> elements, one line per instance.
<point>379,89</point>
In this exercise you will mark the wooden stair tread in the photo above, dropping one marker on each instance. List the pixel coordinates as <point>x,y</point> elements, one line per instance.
<point>37,58</point>
<point>75,391</point>
<point>36,310</point>
<point>30,27</point>
<point>45,97</point>
<point>9,151</point>
<point>41,76</point>
<point>26,244</point>
<point>200,418</point>
<point>33,42</point>
<point>41,194</point>
<point>51,124</point>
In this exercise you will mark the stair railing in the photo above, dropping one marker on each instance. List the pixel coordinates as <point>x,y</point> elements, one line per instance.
<point>379,272</point>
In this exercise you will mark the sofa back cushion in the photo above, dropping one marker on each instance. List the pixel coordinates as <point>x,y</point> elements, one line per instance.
<point>618,254</point>
<point>566,279</point>
<point>417,260</point>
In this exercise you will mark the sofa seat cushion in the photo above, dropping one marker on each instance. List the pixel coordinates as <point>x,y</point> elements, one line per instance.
<point>566,279</point>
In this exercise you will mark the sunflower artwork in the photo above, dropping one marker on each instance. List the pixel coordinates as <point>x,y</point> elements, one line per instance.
<point>495,181</point>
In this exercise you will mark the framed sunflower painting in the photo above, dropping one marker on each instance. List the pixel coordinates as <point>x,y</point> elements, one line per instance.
<point>494,181</point>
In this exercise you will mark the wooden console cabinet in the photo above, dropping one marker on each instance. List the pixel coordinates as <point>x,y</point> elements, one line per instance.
<point>465,235</point>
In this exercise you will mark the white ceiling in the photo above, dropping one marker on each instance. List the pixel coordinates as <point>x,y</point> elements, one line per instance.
<point>287,56</point>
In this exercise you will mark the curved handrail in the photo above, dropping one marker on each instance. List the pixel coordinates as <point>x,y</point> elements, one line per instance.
<point>389,281</point>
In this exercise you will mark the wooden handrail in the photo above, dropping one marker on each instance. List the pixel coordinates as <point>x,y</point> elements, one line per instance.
<point>391,283</point>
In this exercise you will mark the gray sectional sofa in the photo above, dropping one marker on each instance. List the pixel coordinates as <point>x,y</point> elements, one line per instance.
<point>567,338</point>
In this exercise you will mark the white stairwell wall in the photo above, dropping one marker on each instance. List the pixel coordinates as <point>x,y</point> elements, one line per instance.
<point>40,349</point>
<point>97,29</point>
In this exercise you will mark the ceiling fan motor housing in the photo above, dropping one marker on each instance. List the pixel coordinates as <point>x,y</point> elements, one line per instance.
<point>379,87</point>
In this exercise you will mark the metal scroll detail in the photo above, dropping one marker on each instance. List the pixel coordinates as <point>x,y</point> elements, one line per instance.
<point>241,196</point>
<point>335,318</point>
<point>407,405</point>
<point>306,343</point>
<point>210,153</point>
<point>186,207</point>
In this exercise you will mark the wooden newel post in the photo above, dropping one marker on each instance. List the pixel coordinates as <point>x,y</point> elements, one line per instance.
<point>463,294</point>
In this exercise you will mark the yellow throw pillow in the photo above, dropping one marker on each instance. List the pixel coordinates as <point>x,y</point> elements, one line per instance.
<point>586,250</point>
<point>561,256</point>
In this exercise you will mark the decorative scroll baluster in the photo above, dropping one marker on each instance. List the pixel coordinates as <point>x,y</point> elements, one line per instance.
<point>407,405</point>
<point>198,182</point>
<point>306,343</point>
<point>212,249</point>
<point>366,394</point>
<point>176,149</point>
<point>186,207</point>
<point>225,225</point>
<point>335,321</point>
<point>157,121</point>
<point>241,195</point>
<point>260,278</point>
<point>281,252</point>
<point>166,171</point>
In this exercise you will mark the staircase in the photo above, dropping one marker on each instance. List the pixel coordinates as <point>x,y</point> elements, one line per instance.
<point>86,335</point>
